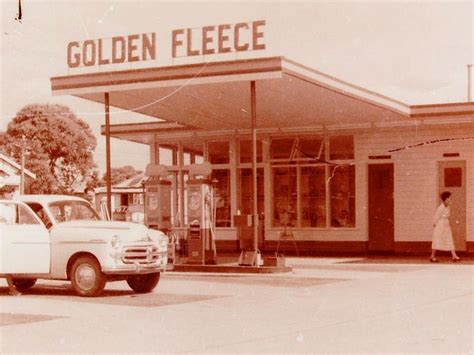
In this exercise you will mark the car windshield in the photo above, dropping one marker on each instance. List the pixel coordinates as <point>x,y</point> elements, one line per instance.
<point>72,211</point>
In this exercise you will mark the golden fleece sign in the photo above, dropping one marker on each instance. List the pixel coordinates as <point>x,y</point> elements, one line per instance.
<point>185,42</point>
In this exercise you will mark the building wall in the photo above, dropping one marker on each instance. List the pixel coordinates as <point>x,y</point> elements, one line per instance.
<point>416,175</point>
<point>415,187</point>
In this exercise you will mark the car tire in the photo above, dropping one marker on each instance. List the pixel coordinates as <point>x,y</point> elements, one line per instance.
<point>143,283</point>
<point>24,284</point>
<point>87,278</point>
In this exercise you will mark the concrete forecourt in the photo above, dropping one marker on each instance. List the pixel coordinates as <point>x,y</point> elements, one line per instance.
<point>345,305</point>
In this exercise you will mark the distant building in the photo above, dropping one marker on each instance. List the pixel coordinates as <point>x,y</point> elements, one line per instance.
<point>127,198</point>
<point>10,173</point>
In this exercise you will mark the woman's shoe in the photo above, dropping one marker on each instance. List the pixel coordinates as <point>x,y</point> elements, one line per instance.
<point>433,260</point>
<point>456,259</point>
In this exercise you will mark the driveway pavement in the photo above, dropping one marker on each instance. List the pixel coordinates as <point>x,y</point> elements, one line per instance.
<point>325,305</point>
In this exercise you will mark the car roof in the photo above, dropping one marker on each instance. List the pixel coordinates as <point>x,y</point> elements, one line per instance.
<point>48,198</point>
<point>10,201</point>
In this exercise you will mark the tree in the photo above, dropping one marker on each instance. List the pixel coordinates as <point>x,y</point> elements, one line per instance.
<point>117,175</point>
<point>59,146</point>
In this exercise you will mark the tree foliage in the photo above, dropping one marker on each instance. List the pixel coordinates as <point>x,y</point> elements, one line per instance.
<point>117,175</point>
<point>59,146</point>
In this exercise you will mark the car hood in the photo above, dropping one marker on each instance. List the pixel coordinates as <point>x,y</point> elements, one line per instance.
<point>105,230</point>
<point>116,225</point>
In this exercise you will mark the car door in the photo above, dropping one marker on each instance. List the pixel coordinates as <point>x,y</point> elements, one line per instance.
<point>24,240</point>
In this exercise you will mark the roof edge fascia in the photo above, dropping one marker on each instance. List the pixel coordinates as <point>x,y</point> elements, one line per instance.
<point>330,82</point>
<point>168,76</point>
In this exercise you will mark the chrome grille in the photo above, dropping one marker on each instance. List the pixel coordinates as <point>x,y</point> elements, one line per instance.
<point>140,254</point>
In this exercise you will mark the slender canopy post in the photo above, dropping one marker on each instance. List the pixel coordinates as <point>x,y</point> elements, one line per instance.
<point>253,100</point>
<point>107,154</point>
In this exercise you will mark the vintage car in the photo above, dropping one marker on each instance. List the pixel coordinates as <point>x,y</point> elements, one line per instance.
<point>63,238</point>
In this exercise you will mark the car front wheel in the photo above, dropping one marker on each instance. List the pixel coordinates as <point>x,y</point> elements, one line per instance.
<point>143,283</point>
<point>86,277</point>
<point>24,284</point>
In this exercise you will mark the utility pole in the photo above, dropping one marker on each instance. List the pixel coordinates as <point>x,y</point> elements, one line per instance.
<point>107,155</point>
<point>469,82</point>
<point>22,174</point>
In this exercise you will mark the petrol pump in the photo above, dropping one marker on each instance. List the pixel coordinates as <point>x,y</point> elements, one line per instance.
<point>157,198</point>
<point>201,215</point>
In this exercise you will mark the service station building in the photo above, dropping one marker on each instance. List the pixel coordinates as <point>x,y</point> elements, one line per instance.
<point>345,168</point>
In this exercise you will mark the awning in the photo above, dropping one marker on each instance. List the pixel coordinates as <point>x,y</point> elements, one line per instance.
<point>216,96</point>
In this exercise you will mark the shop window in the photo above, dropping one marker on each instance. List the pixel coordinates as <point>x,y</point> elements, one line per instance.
<point>291,149</point>
<point>193,153</point>
<point>137,199</point>
<point>218,152</point>
<point>313,196</point>
<point>246,191</point>
<point>246,151</point>
<point>166,156</point>
<point>341,147</point>
<point>453,177</point>
<point>342,188</point>
<point>282,148</point>
<point>324,195</point>
<point>221,183</point>
<point>284,196</point>
<point>310,149</point>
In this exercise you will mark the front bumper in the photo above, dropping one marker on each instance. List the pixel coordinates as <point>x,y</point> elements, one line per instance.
<point>137,259</point>
<point>134,269</point>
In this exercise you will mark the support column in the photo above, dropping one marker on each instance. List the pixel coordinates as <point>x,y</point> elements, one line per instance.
<point>107,154</point>
<point>253,100</point>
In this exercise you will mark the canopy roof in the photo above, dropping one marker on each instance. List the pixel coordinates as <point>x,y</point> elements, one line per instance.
<point>217,95</point>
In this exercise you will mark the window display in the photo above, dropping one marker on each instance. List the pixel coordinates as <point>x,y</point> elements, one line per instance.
<point>313,196</point>
<point>342,187</point>
<point>221,183</point>
<point>246,191</point>
<point>312,191</point>
<point>284,192</point>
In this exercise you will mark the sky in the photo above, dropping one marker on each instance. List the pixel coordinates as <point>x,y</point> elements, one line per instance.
<point>416,52</point>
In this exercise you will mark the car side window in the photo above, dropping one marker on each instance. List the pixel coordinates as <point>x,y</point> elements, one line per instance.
<point>11,213</point>
<point>57,213</point>
<point>41,213</point>
<point>25,216</point>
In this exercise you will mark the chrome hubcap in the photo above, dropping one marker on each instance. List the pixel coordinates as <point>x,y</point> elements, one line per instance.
<point>85,277</point>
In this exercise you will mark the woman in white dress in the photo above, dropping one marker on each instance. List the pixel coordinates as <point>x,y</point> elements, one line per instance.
<point>442,234</point>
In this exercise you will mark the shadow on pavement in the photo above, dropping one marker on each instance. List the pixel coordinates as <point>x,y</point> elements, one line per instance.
<point>63,290</point>
<point>110,297</point>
